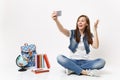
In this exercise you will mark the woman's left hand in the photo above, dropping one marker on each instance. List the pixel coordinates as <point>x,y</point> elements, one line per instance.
<point>96,24</point>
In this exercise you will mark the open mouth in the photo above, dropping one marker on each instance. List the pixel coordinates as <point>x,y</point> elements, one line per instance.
<point>80,26</point>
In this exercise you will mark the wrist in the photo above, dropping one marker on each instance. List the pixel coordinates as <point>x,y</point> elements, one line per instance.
<point>56,20</point>
<point>95,29</point>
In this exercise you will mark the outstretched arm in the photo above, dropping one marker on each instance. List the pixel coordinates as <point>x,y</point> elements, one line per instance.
<point>95,40</point>
<point>59,25</point>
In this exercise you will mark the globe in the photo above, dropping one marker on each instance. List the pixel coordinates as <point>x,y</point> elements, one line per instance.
<point>21,60</point>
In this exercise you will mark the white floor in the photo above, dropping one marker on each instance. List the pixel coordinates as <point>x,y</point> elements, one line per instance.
<point>56,73</point>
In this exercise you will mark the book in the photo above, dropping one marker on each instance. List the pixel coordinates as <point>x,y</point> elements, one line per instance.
<point>36,64</point>
<point>43,65</point>
<point>40,70</point>
<point>46,60</point>
<point>38,61</point>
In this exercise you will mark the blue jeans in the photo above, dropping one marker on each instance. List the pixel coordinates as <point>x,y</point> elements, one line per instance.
<point>78,65</point>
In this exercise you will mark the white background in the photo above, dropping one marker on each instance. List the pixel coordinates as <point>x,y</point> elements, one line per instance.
<point>30,21</point>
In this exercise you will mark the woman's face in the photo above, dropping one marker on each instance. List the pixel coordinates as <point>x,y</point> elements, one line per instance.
<point>82,23</point>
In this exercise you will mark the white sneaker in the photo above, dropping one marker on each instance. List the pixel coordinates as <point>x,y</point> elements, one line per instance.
<point>93,73</point>
<point>68,72</point>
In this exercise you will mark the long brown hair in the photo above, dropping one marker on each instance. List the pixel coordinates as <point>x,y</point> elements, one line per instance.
<point>87,31</point>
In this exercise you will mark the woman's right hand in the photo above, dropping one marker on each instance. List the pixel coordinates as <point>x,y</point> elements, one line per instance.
<point>54,15</point>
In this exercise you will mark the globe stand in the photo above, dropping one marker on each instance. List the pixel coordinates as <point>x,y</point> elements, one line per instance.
<point>22,69</point>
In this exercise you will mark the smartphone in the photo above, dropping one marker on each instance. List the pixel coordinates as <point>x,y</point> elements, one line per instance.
<point>59,13</point>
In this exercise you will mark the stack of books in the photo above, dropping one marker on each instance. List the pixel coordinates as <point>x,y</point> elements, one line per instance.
<point>41,64</point>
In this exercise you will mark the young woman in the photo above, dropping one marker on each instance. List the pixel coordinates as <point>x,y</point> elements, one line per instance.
<point>80,40</point>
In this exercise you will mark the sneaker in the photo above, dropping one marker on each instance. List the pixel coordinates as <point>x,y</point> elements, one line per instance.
<point>93,73</point>
<point>68,72</point>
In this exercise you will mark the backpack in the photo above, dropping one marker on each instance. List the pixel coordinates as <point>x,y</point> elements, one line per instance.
<point>28,52</point>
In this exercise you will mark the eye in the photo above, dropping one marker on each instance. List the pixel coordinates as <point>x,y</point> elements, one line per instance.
<point>82,21</point>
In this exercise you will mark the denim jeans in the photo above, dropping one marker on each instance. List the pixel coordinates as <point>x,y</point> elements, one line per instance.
<point>78,65</point>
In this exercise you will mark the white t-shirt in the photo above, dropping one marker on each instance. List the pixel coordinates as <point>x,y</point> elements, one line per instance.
<point>80,51</point>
